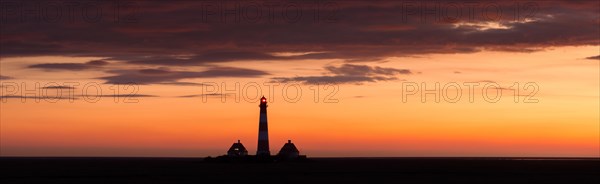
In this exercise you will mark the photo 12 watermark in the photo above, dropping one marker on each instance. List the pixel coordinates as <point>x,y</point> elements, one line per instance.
<point>453,92</point>
<point>52,92</point>
<point>252,92</point>
<point>283,11</point>
<point>431,11</point>
<point>209,92</point>
<point>116,11</point>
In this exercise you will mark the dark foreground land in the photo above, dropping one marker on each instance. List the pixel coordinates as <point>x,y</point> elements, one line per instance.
<point>317,170</point>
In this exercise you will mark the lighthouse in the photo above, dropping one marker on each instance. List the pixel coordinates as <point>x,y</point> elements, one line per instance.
<point>263,130</point>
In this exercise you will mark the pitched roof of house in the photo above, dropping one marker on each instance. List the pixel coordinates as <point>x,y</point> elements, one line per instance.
<point>238,146</point>
<point>289,147</point>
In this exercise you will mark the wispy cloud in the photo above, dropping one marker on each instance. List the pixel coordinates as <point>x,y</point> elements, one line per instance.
<point>126,96</point>
<point>3,77</point>
<point>76,97</point>
<point>38,97</point>
<point>349,73</point>
<point>593,57</point>
<point>70,66</point>
<point>181,83</point>
<point>58,87</point>
<point>204,95</point>
<point>167,76</point>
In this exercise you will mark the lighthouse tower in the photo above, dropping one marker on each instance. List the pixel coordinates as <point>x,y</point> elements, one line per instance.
<point>263,130</point>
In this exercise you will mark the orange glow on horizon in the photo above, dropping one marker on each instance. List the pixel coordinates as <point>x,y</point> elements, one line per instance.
<point>368,120</point>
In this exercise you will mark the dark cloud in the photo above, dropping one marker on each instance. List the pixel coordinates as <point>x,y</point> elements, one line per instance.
<point>60,66</point>
<point>166,76</point>
<point>355,31</point>
<point>95,64</point>
<point>3,77</point>
<point>593,57</point>
<point>349,74</point>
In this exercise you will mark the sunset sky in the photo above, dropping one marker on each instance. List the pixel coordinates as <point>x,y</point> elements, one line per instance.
<point>158,78</point>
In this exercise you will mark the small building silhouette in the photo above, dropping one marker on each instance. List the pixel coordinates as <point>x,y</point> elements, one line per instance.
<point>289,151</point>
<point>237,150</point>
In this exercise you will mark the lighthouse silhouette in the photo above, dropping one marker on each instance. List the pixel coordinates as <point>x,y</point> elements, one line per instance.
<point>263,131</point>
<point>237,151</point>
